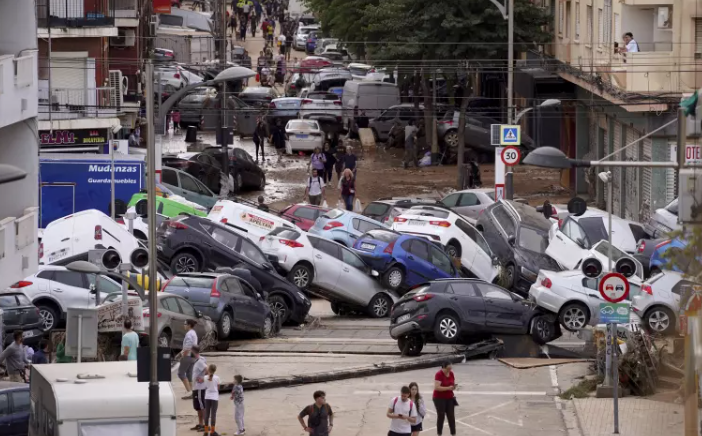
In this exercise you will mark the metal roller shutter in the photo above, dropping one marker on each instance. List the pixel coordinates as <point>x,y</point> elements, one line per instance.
<point>617,172</point>
<point>631,184</point>
<point>646,177</point>
<point>670,191</point>
<point>68,78</point>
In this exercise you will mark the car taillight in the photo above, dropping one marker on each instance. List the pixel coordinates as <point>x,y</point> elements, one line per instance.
<point>422,297</point>
<point>647,289</point>
<point>641,247</point>
<point>41,250</point>
<point>546,283</point>
<point>163,288</point>
<point>448,123</point>
<point>306,101</point>
<point>292,86</point>
<point>400,220</point>
<point>389,248</point>
<point>223,221</point>
<point>440,223</point>
<point>332,225</point>
<point>177,225</point>
<point>666,242</point>
<point>98,233</point>
<point>21,284</point>
<point>214,292</point>
<point>148,314</point>
<point>176,75</point>
<point>337,102</point>
<point>261,238</point>
<point>271,105</point>
<point>290,243</point>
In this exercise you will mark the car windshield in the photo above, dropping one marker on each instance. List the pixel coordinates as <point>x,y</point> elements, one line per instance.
<point>323,96</point>
<point>302,125</point>
<point>285,233</point>
<point>422,211</point>
<point>333,214</point>
<point>376,209</point>
<point>594,229</point>
<point>358,71</point>
<point>382,235</point>
<point>673,207</point>
<point>192,282</point>
<point>10,300</point>
<point>532,239</point>
<point>603,248</point>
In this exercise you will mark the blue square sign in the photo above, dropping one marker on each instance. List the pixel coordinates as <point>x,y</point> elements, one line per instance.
<point>510,135</point>
<point>615,312</point>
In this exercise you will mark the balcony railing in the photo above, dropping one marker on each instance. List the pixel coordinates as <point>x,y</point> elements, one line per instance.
<point>76,13</point>
<point>125,8</point>
<point>68,103</point>
<point>653,71</point>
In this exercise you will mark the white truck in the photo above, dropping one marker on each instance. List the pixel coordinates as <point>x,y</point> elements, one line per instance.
<point>95,398</point>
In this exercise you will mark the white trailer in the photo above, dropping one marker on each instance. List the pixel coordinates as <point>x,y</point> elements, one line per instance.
<point>95,399</point>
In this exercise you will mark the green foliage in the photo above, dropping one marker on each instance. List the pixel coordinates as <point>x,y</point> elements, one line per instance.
<point>688,258</point>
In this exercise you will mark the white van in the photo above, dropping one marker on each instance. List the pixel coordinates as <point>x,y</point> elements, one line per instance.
<point>251,221</point>
<point>95,398</point>
<point>70,238</point>
<point>371,97</point>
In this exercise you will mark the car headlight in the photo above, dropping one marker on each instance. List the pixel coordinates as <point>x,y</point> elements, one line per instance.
<point>528,274</point>
<point>302,296</point>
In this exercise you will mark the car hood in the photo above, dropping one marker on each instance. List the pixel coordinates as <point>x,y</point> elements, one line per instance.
<point>535,261</point>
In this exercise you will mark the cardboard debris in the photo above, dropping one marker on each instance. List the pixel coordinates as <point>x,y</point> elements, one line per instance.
<point>533,362</point>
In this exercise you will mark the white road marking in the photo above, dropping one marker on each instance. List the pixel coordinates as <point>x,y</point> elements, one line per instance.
<point>554,376</point>
<point>475,428</point>
<point>462,393</point>
<point>489,409</point>
<point>519,423</point>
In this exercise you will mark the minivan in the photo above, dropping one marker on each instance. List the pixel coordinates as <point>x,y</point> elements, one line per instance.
<point>371,97</point>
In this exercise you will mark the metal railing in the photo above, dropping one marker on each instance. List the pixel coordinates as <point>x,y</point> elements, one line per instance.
<point>125,8</point>
<point>76,13</point>
<point>24,71</point>
<point>69,103</point>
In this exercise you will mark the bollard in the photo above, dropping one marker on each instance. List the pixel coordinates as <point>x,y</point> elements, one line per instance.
<point>191,134</point>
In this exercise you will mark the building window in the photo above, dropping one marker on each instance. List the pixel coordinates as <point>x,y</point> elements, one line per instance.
<point>600,27</point>
<point>698,38</point>
<point>588,17</point>
<point>577,20</point>
<point>568,20</point>
<point>617,27</point>
<point>561,18</point>
<point>608,23</point>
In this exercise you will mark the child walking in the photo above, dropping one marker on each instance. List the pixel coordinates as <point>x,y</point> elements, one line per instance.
<point>211,400</point>
<point>238,397</point>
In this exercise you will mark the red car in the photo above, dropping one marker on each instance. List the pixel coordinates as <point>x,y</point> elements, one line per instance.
<point>312,64</point>
<point>303,215</point>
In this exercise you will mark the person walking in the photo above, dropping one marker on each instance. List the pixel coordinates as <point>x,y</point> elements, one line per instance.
<point>410,140</point>
<point>242,29</point>
<point>350,160</point>
<point>238,397</point>
<point>259,137</point>
<point>315,188</point>
<point>278,138</point>
<point>403,413</point>
<point>211,400</point>
<point>329,162</point>
<point>130,342</point>
<point>348,189</point>
<point>339,165</point>
<point>444,399</point>
<point>15,358</point>
<point>317,161</point>
<point>185,370</point>
<point>421,406</point>
<point>41,356</point>
<point>320,416</point>
<point>199,374</point>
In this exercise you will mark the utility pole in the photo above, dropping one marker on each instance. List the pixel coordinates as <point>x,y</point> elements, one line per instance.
<point>434,137</point>
<point>222,35</point>
<point>509,180</point>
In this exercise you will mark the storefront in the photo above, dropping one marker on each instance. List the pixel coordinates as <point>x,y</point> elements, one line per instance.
<point>74,141</point>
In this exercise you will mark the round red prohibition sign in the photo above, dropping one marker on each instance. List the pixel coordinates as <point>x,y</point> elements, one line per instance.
<point>614,287</point>
<point>511,156</point>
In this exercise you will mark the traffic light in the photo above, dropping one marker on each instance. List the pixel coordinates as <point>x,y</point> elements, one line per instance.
<point>111,259</point>
<point>591,267</point>
<point>626,267</point>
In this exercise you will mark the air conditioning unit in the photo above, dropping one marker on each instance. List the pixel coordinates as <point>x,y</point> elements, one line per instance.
<point>126,38</point>
<point>118,89</point>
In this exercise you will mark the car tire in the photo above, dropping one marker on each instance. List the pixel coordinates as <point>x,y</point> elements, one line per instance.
<point>543,331</point>
<point>393,278</point>
<point>574,316</point>
<point>510,271</point>
<point>238,183</point>
<point>184,262</point>
<point>267,328</point>
<point>451,139</point>
<point>49,317</point>
<point>411,345</point>
<point>224,326</point>
<point>301,276</point>
<point>446,328</point>
<point>222,346</point>
<point>335,308</point>
<point>280,307</point>
<point>659,320</point>
<point>453,249</point>
<point>379,306</point>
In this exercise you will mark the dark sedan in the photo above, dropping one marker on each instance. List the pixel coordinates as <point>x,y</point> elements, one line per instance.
<point>246,172</point>
<point>18,313</point>
<point>201,108</point>
<point>193,244</point>
<point>203,170</point>
<point>15,405</point>
<point>258,96</point>
<point>462,311</point>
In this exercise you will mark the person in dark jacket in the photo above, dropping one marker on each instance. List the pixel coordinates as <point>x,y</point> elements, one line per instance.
<point>350,161</point>
<point>328,163</point>
<point>41,356</point>
<point>278,137</point>
<point>348,189</point>
<point>259,136</point>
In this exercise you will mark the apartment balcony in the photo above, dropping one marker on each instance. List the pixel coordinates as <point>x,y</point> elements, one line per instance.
<point>18,88</point>
<point>19,251</point>
<point>126,13</point>
<point>646,72</point>
<point>76,14</point>
<point>71,104</point>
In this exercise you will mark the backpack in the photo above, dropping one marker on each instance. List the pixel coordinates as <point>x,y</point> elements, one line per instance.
<point>309,182</point>
<point>395,402</point>
<point>315,419</point>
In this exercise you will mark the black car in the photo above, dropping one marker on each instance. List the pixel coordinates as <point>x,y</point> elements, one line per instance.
<point>15,404</point>
<point>463,311</point>
<point>518,237</point>
<point>18,313</point>
<point>230,302</point>
<point>258,96</point>
<point>203,169</point>
<point>193,244</point>
<point>246,172</point>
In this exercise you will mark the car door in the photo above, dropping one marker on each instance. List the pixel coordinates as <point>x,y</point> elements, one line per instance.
<point>589,290</point>
<point>71,289</point>
<point>469,205</point>
<point>6,426</point>
<point>207,198</point>
<point>569,244</point>
<point>476,133</point>
<point>187,311</point>
<point>19,415</point>
<point>242,165</point>
<point>327,263</point>
<point>451,200</point>
<point>419,266</point>
<point>469,303</point>
<point>502,313</point>
<point>354,282</point>
<point>443,267</point>
<point>243,316</point>
<point>223,250</point>
<point>478,257</point>
<point>176,320</point>
<point>189,188</point>
<point>385,122</point>
<point>257,307</point>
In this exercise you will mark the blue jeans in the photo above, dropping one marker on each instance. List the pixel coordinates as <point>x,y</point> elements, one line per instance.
<point>348,201</point>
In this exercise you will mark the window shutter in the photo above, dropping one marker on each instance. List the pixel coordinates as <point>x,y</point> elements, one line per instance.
<point>698,38</point>
<point>600,27</point>
<point>577,20</point>
<point>589,24</point>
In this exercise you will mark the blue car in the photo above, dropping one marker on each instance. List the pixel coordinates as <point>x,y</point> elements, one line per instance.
<point>663,259</point>
<point>14,409</point>
<point>311,43</point>
<point>343,226</point>
<point>404,261</point>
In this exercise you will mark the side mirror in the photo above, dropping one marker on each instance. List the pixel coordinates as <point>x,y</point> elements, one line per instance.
<point>375,273</point>
<point>199,314</point>
<point>495,261</point>
<point>258,296</point>
<point>511,240</point>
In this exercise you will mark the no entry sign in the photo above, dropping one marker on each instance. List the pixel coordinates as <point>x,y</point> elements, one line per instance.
<point>511,156</point>
<point>614,287</point>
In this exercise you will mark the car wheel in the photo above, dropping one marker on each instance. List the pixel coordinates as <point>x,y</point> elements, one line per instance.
<point>335,308</point>
<point>451,139</point>
<point>453,249</point>
<point>224,326</point>
<point>279,307</point>
<point>379,306</point>
<point>238,183</point>
<point>446,328</point>
<point>267,328</point>
<point>542,330</point>
<point>49,317</point>
<point>509,276</point>
<point>184,263</point>
<point>574,317</point>
<point>659,320</point>
<point>411,345</point>
<point>300,276</point>
<point>262,184</point>
<point>164,339</point>
<point>393,278</point>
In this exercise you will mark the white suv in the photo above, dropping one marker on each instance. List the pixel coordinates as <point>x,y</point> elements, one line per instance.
<point>461,239</point>
<point>53,289</point>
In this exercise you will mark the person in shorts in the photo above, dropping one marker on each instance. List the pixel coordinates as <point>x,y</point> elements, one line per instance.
<point>199,374</point>
<point>403,413</point>
<point>185,371</point>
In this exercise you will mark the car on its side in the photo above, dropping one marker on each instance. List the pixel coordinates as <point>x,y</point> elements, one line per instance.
<point>245,170</point>
<point>329,270</point>
<point>404,261</point>
<point>343,226</point>
<point>205,172</point>
<point>304,135</point>
<point>463,310</point>
<point>658,303</point>
<point>663,221</point>
<point>477,132</point>
<point>247,219</point>
<point>302,214</point>
<point>194,244</point>
<point>233,306</point>
<point>18,313</point>
<point>386,209</point>
<point>470,202</point>
<point>15,407</point>
<point>188,187</point>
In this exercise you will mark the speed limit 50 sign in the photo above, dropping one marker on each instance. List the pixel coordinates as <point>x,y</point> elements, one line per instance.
<point>511,156</point>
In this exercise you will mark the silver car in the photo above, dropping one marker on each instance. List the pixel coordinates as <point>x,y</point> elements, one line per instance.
<point>658,303</point>
<point>173,312</point>
<point>470,202</point>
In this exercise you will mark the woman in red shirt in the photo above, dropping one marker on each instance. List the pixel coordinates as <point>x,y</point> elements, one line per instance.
<point>444,399</point>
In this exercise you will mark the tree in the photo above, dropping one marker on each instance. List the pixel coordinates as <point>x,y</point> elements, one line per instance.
<point>341,19</point>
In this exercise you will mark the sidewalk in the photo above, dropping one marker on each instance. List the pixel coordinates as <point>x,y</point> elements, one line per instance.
<point>637,417</point>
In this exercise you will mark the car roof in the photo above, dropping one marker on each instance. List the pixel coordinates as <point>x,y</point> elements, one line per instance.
<point>5,385</point>
<point>484,190</point>
<point>527,214</point>
<point>209,275</point>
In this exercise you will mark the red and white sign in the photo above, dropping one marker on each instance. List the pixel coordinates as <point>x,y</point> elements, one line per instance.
<point>499,191</point>
<point>511,156</point>
<point>162,6</point>
<point>614,287</point>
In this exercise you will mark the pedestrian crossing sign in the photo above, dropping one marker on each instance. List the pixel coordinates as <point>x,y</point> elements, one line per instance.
<point>510,135</point>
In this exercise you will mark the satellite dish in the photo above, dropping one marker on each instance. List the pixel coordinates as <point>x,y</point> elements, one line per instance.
<point>577,206</point>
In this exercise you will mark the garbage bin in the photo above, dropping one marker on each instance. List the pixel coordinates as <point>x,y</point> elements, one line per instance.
<point>191,134</point>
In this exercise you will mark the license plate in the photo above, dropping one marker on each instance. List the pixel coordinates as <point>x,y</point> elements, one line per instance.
<point>27,334</point>
<point>302,136</point>
<point>56,256</point>
<point>366,246</point>
<point>404,318</point>
<point>417,223</point>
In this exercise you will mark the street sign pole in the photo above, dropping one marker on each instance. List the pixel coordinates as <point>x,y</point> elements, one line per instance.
<point>615,376</point>
<point>499,174</point>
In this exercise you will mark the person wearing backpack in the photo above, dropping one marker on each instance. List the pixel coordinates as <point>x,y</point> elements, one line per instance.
<point>320,416</point>
<point>315,188</point>
<point>417,399</point>
<point>403,413</point>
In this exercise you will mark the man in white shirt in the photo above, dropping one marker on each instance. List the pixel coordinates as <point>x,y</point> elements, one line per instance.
<point>281,44</point>
<point>315,188</point>
<point>185,370</point>
<point>199,374</point>
<point>403,413</point>
<point>631,46</point>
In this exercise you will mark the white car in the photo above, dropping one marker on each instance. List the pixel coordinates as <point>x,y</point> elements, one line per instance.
<point>252,222</point>
<point>576,235</point>
<point>359,71</point>
<point>461,239</point>
<point>323,107</point>
<point>140,225</point>
<point>658,304</point>
<point>663,221</point>
<point>572,296</point>
<point>470,202</point>
<point>170,75</point>
<point>304,134</point>
<point>71,237</point>
<point>300,39</point>
<point>53,289</point>
<point>329,269</point>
